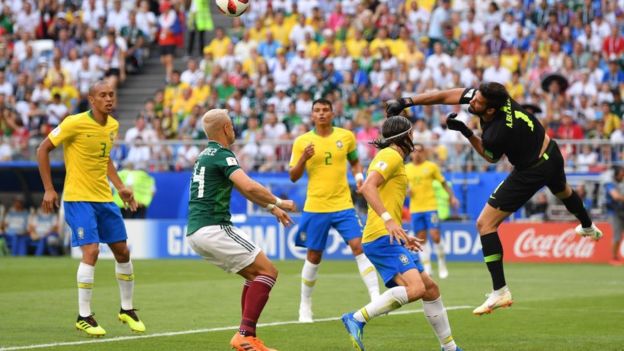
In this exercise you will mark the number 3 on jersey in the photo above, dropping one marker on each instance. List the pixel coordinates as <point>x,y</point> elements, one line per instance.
<point>199,178</point>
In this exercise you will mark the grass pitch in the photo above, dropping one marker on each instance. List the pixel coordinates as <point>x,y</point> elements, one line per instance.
<point>191,305</point>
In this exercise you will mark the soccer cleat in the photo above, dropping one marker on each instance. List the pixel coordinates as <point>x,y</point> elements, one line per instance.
<point>305,314</point>
<point>592,232</point>
<point>130,317</point>
<point>248,343</point>
<point>456,348</point>
<point>442,271</point>
<point>355,329</point>
<point>90,326</point>
<point>494,301</point>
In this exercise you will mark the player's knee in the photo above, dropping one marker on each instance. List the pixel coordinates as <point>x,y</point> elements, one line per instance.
<point>415,292</point>
<point>314,256</point>
<point>432,293</point>
<point>485,225</point>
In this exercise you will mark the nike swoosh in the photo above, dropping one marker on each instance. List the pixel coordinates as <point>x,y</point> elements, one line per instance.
<point>492,197</point>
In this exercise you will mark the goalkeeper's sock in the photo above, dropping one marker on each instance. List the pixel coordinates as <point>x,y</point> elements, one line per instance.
<point>575,206</point>
<point>438,319</point>
<point>85,278</point>
<point>493,256</point>
<point>255,300</point>
<point>244,294</point>
<point>390,300</point>
<point>369,275</point>
<point>125,279</point>
<point>308,280</point>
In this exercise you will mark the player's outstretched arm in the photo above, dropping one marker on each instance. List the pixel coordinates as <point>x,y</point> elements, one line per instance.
<point>370,191</point>
<point>125,193</point>
<point>444,97</point>
<point>50,197</point>
<point>260,195</point>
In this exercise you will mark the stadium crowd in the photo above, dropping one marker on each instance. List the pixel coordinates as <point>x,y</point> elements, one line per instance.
<point>272,62</point>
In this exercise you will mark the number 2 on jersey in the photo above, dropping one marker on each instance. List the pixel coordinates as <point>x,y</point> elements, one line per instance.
<point>328,158</point>
<point>199,178</point>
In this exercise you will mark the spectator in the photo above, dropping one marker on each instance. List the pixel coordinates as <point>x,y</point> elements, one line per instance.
<point>135,40</point>
<point>167,21</point>
<point>15,224</point>
<point>44,233</point>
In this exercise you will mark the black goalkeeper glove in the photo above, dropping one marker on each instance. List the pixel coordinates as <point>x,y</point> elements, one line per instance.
<point>395,107</point>
<point>455,124</point>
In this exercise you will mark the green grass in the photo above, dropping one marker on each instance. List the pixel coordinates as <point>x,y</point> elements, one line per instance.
<point>557,307</point>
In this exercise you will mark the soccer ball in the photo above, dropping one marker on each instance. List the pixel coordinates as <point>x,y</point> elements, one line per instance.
<point>233,8</point>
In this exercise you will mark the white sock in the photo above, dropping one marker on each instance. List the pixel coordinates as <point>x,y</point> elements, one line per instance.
<point>437,317</point>
<point>439,249</point>
<point>125,278</point>
<point>501,291</point>
<point>390,300</point>
<point>425,257</point>
<point>369,275</point>
<point>85,278</point>
<point>308,280</point>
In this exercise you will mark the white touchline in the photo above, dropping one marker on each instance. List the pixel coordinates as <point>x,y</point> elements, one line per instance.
<point>193,331</point>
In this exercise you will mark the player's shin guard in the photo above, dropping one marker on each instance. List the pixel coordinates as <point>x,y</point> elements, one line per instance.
<point>125,279</point>
<point>255,300</point>
<point>369,275</point>
<point>493,256</point>
<point>244,294</point>
<point>437,317</point>
<point>85,278</point>
<point>390,300</point>
<point>575,206</point>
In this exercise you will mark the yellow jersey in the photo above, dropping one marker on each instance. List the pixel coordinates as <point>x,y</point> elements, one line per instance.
<point>86,148</point>
<point>328,190</point>
<point>389,163</point>
<point>420,178</point>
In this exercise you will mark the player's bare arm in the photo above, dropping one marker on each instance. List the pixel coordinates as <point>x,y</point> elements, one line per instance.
<point>50,197</point>
<point>258,194</point>
<point>356,170</point>
<point>126,194</point>
<point>296,172</point>
<point>445,97</point>
<point>371,194</point>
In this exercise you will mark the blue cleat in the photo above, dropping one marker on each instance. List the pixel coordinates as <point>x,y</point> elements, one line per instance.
<point>355,330</point>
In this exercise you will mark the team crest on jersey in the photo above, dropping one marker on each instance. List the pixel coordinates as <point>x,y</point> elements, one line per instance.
<point>303,236</point>
<point>80,233</point>
<point>339,144</point>
<point>404,259</point>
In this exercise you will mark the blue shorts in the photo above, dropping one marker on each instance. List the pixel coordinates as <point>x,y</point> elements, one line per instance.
<point>94,222</point>
<point>314,228</point>
<point>391,259</point>
<point>425,221</point>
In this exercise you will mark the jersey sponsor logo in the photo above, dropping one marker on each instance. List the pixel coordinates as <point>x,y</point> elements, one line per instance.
<point>56,131</point>
<point>382,165</point>
<point>231,161</point>
<point>404,259</point>
<point>339,144</point>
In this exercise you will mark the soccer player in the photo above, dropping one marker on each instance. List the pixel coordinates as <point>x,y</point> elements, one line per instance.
<point>508,129</point>
<point>421,173</point>
<point>387,244</point>
<point>323,153</point>
<point>87,139</point>
<point>211,234</point>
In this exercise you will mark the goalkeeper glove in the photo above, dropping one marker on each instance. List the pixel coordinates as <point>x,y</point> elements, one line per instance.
<point>395,107</point>
<point>454,124</point>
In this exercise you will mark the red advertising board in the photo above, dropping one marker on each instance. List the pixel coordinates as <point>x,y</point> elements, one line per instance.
<point>553,242</point>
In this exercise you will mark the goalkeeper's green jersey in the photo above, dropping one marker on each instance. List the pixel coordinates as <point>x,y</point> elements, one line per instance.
<point>211,188</point>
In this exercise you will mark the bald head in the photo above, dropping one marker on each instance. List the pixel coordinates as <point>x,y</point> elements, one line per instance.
<point>214,122</point>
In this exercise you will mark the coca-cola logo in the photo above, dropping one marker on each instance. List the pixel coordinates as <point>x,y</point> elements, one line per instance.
<point>565,245</point>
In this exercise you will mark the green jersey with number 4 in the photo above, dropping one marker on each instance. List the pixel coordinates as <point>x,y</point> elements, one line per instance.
<point>211,187</point>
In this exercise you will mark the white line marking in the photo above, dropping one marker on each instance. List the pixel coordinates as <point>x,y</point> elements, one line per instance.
<point>193,331</point>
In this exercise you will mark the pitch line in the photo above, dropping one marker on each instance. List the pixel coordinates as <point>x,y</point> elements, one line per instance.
<point>192,331</point>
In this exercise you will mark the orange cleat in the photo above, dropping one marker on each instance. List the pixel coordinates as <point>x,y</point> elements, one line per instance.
<point>248,343</point>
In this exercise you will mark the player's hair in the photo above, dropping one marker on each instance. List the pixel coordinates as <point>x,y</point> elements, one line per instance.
<point>323,101</point>
<point>395,130</point>
<point>495,94</point>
